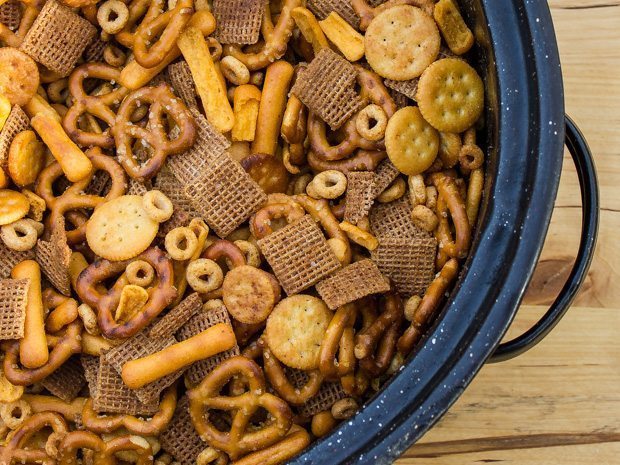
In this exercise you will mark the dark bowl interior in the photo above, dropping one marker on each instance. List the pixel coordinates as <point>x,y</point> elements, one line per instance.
<point>523,136</point>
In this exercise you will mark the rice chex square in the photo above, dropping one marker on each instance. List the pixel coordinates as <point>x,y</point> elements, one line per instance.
<point>180,439</point>
<point>238,21</point>
<point>13,301</point>
<point>360,195</point>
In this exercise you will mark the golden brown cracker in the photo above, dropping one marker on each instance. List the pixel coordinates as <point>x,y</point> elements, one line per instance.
<point>450,95</point>
<point>19,79</point>
<point>120,229</point>
<point>401,42</point>
<point>13,206</point>
<point>295,330</point>
<point>250,294</point>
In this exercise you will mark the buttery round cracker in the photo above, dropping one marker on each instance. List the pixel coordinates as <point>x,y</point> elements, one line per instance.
<point>121,229</point>
<point>450,95</point>
<point>26,158</point>
<point>13,206</point>
<point>401,42</point>
<point>19,78</point>
<point>411,143</point>
<point>295,330</point>
<point>250,294</point>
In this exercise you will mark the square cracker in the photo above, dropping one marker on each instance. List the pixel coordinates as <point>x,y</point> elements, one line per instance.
<point>408,262</point>
<point>225,195</point>
<point>360,195</point>
<point>351,283</point>
<point>9,258</point>
<point>328,395</point>
<point>172,321</point>
<point>238,21</point>
<point>393,219</point>
<point>58,37</point>
<point>322,9</point>
<point>67,381</point>
<point>299,255</point>
<point>13,300</point>
<point>180,439</point>
<point>53,256</point>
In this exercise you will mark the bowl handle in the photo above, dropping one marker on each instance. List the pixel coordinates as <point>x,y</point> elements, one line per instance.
<point>582,157</point>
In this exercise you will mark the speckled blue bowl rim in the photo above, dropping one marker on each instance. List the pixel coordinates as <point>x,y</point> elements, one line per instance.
<point>525,123</point>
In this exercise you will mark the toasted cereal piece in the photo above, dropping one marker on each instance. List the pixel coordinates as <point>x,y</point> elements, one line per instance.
<point>120,229</point>
<point>180,439</point>
<point>295,330</point>
<point>67,381</point>
<point>95,51</point>
<point>54,257</point>
<point>177,317</point>
<point>408,263</point>
<point>26,158</point>
<point>140,346</point>
<point>13,206</point>
<point>411,143</point>
<point>19,79</point>
<point>13,299</point>
<point>342,35</point>
<point>16,122</point>
<point>394,220</point>
<point>327,87</point>
<point>225,195</point>
<point>180,77</point>
<point>360,195</point>
<point>450,95</point>
<point>385,174</point>
<point>112,396</point>
<point>351,283</point>
<point>37,205</point>
<point>250,294</point>
<point>238,21</point>
<point>90,366</point>
<point>9,258</point>
<point>58,37</point>
<point>322,9</point>
<point>328,395</point>
<point>455,32</point>
<point>299,255</point>
<point>409,88</point>
<point>10,14</point>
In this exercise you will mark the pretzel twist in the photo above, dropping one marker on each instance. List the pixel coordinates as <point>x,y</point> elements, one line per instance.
<point>73,200</point>
<point>449,193</point>
<point>99,106</point>
<point>17,449</point>
<point>104,451</point>
<point>223,249</point>
<point>367,13</point>
<point>339,338</point>
<point>276,38</point>
<point>163,105</point>
<point>89,288</point>
<point>151,427</point>
<point>64,347</point>
<point>428,306</point>
<point>261,222</point>
<point>139,11</point>
<point>240,439</point>
<point>372,89</point>
<point>167,27</point>
<point>375,346</point>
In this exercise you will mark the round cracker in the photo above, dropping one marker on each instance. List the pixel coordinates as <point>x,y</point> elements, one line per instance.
<point>401,42</point>
<point>121,229</point>
<point>19,78</point>
<point>295,330</point>
<point>411,143</point>
<point>13,206</point>
<point>26,158</point>
<point>250,294</point>
<point>451,95</point>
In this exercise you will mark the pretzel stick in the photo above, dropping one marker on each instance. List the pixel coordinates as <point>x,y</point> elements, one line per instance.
<point>272,105</point>
<point>75,164</point>
<point>33,352</point>
<point>209,342</point>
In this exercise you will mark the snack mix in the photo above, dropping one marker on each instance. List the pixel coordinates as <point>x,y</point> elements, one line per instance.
<point>224,224</point>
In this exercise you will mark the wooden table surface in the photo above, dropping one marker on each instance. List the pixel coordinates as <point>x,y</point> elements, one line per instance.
<point>559,404</point>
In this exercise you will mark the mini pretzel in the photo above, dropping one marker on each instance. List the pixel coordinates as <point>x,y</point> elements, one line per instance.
<point>63,347</point>
<point>251,253</point>
<point>295,441</point>
<point>329,184</point>
<point>294,121</point>
<point>320,211</point>
<point>104,451</point>
<point>96,423</point>
<point>17,447</point>
<point>162,104</point>
<point>448,191</point>
<point>20,235</point>
<point>239,440</point>
<point>73,200</point>
<point>375,346</point>
<point>166,27</point>
<point>339,338</point>
<point>276,38</point>
<point>106,301</point>
<point>223,249</point>
<point>368,13</point>
<point>196,272</point>
<point>260,224</point>
<point>372,88</point>
<point>364,160</point>
<point>428,306</point>
<point>99,106</point>
<point>62,310</point>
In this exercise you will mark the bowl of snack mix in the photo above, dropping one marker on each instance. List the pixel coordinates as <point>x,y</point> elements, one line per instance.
<point>268,231</point>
